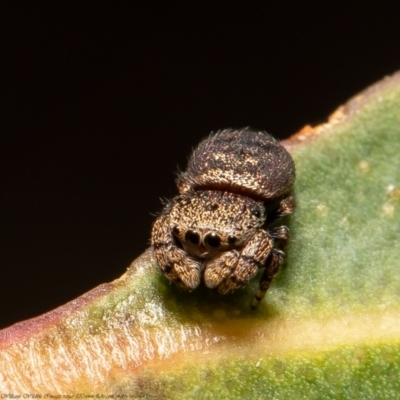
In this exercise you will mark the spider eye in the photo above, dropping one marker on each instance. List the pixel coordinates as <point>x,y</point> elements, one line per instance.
<point>256,213</point>
<point>192,237</point>
<point>175,230</point>
<point>212,240</point>
<point>232,239</point>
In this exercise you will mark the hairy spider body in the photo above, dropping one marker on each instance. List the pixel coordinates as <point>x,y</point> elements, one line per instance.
<point>215,229</point>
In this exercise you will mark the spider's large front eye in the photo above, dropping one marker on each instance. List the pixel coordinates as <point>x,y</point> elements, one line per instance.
<point>192,237</point>
<point>212,240</point>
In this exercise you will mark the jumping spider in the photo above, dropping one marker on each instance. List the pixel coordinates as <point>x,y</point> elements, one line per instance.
<point>238,182</point>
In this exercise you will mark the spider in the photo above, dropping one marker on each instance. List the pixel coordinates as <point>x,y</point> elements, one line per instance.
<point>217,230</point>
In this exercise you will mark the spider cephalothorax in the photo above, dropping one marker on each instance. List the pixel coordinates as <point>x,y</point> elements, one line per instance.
<point>216,230</point>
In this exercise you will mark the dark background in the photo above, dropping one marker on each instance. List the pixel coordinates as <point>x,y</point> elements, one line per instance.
<point>100,103</point>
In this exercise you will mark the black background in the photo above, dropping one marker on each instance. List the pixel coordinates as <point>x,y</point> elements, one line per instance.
<point>100,103</point>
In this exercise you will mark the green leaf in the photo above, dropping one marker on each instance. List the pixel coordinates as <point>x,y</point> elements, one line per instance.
<point>329,326</point>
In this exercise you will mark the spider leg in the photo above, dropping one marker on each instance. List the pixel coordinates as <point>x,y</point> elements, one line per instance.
<point>252,257</point>
<point>280,235</point>
<point>271,268</point>
<point>219,268</point>
<point>285,207</point>
<point>172,260</point>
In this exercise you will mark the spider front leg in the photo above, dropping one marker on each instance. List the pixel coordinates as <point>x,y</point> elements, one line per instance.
<point>173,262</point>
<point>280,235</point>
<point>252,257</point>
<point>219,268</point>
